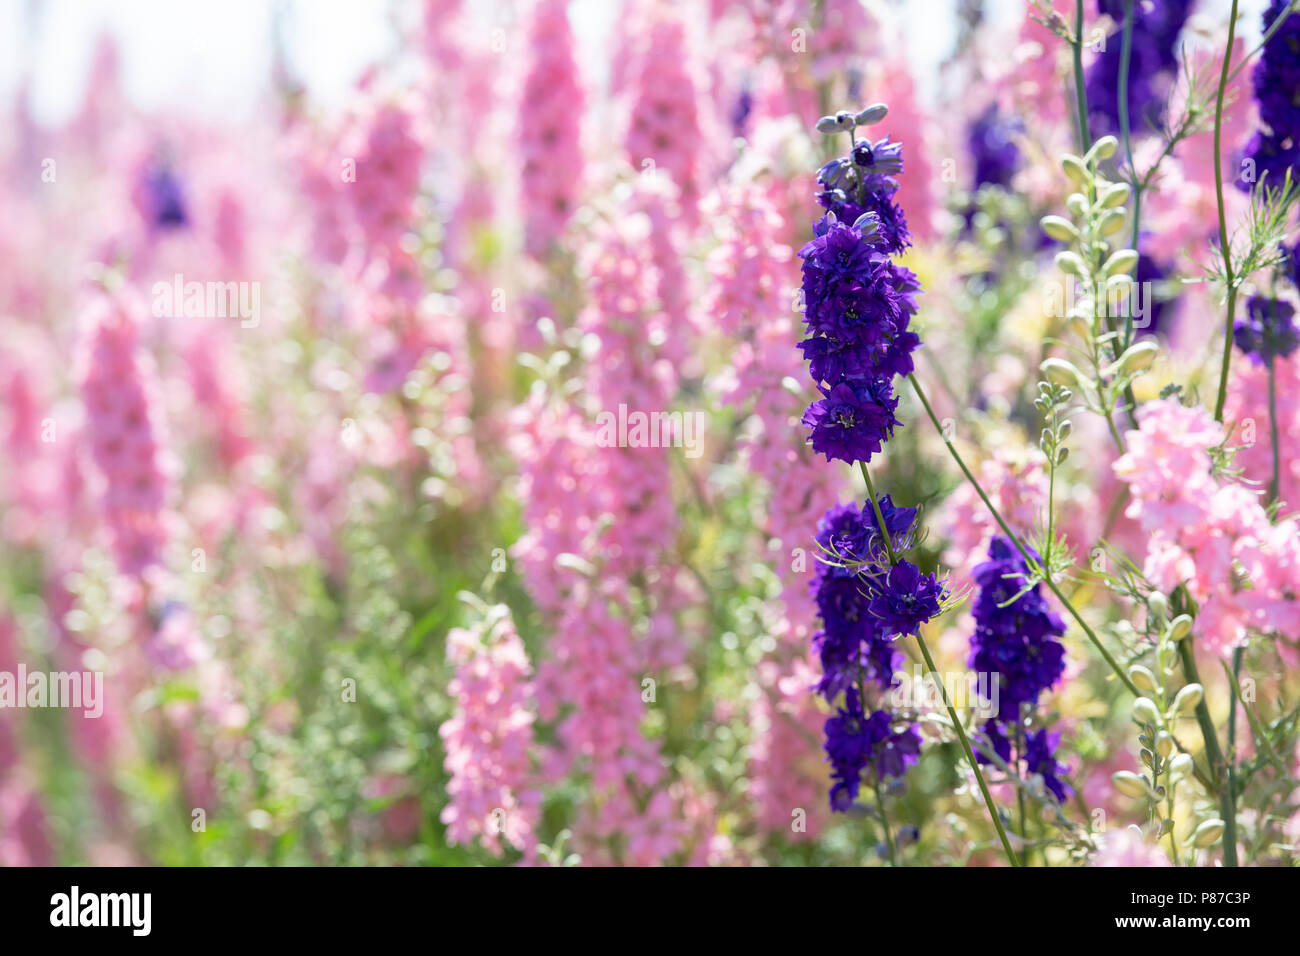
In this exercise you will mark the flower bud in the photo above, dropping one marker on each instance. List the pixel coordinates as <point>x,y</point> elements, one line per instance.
<point>844,120</point>
<point>1208,833</point>
<point>827,124</point>
<point>1077,205</point>
<point>1164,744</point>
<point>1188,698</point>
<point>1146,712</point>
<point>872,114</point>
<point>1130,784</point>
<point>1074,168</point>
<point>1058,227</point>
<point>1180,768</point>
<point>1116,195</point>
<point>1137,357</point>
<point>1142,678</point>
<point>1104,148</point>
<point>1061,372</point>
<point>1070,263</point>
<point>1158,606</point>
<point>1179,627</point>
<point>1112,222</point>
<point>1122,261</point>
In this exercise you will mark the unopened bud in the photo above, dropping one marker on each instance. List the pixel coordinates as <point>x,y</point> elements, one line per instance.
<point>1142,678</point>
<point>1164,744</point>
<point>1070,263</point>
<point>1122,261</point>
<point>872,114</point>
<point>1208,833</point>
<point>1137,357</point>
<point>1130,784</point>
<point>1158,606</point>
<point>1058,227</point>
<point>1061,372</point>
<point>1179,627</point>
<point>827,124</point>
<point>1115,195</point>
<point>1104,148</point>
<point>1188,698</point>
<point>1074,168</point>
<point>1112,222</point>
<point>1145,711</point>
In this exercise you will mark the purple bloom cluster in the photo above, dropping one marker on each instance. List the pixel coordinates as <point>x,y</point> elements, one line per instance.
<point>857,304</point>
<point>992,143</point>
<point>865,603</point>
<point>856,741</point>
<point>1268,331</point>
<point>1276,148</point>
<point>163,198</point>
<point>1153,62</point>
<point>1017,639</point>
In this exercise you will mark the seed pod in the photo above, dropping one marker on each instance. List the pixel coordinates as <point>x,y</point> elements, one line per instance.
<point>1058,227</point>
<point>872,114</point>
<point>1145,711</point>
<point>1208,833</point>
<point>1142,678</point>
<point>1187,699</point>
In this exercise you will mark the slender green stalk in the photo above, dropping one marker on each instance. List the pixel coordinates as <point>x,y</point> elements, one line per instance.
<point>1230,797</point>
<point>1080,95</point>
<point>952,714</point>
<point>1291,8</point>
<point>880,518</point>
<point>1015,540</point>
<point>884,822</point>
<point>970,754</point>
<point>1224,246</point>
<point>1125,56</point>
<point>1274,483</point>
<point>1215,756</point>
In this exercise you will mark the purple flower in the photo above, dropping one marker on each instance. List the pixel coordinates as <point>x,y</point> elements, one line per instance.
<point>852,421</point>
<point>1268,331</point>
<point>907,598</point>
<point>1015,639</point>
<point>856,743</point>
<point>1040,758</point>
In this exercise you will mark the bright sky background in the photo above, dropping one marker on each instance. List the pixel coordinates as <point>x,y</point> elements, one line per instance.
<point>214,56</point>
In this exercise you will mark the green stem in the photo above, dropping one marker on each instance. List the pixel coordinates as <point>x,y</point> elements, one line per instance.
<point>1224,246</point>
<point>1268,35</point>
<point>1274,486</point>
<point>1230,798</point>
<point>880,518</point>
<point>1125,56</point>
<point>1015,540</point>
<point>884,822</point>
<point>970,754</point>
<point>1080,95</point>
<point>952,714</point>
<point>1213,754</point>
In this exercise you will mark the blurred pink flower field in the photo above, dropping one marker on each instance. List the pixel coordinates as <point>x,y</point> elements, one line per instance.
<point>745,432</point>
